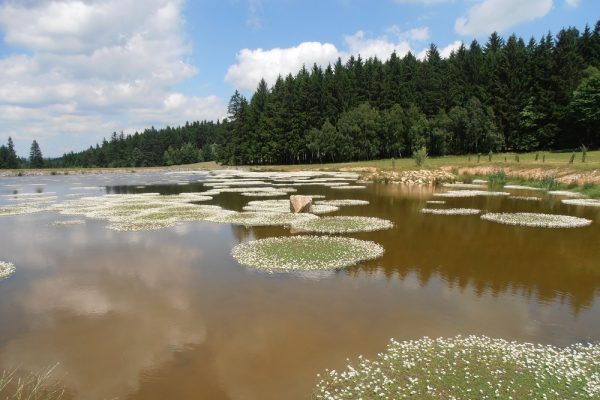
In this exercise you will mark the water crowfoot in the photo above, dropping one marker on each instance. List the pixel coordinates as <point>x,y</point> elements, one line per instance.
<point>305,253</point>
<point>451,211</point>
<point>343,224</point>
<point>537,220</point>
<point>6,269</point>
<point>474,367</point>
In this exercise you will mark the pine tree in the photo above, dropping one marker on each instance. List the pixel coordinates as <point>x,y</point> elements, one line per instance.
<point>35,155</point>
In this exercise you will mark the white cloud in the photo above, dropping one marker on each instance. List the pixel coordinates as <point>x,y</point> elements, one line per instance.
<point>84,69</point>
<point>254,64</point>
<point>572,3</point>
<point>498,15</point>
<point>452,47</point>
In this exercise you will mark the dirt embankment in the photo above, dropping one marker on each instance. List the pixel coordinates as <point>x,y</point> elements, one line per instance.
<point>561,175</point>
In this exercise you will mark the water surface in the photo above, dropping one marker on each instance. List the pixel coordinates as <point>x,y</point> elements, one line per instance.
<point>170,314</point>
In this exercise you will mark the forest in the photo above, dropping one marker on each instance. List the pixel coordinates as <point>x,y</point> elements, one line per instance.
<point>503,95</point>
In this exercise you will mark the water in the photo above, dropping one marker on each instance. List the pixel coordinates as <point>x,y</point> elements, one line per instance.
<point>170,314</point>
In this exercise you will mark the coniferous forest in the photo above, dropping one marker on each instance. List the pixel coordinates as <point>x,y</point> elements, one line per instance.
<point>507,94</point>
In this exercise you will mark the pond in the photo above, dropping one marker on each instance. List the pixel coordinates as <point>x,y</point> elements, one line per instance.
<point>169,313</point>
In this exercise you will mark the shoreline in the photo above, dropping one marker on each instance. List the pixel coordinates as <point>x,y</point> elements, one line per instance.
<point>584,178</point>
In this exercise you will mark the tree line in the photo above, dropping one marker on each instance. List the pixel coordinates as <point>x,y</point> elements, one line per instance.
<point>504,95</point>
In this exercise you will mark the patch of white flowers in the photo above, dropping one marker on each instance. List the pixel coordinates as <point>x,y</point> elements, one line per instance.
<point>69,222</point>
<point>460,185</point>
<point>537,220</point>
<point>451,211</point>
<point>343,224</point>
<point>473,367</point>
<point>250,218</point>
<point>6,269</point>
<point>305,253</point>
<point>565,193</point>
<point>343,202</point>
<point>469,193</point>
<point>526,198</point>
<point>348,187</point>
<point>522,187</point>
<point>582,202</point>
<point>283,206</point>
<point>141,212</point>
<point>19,209</point>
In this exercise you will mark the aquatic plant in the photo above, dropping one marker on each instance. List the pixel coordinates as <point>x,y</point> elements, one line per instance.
<point>305,253</point>
<point>451,211</point>
<point>18,385</point>
<point>18,210</point>
<point>460,185</point>
<point>6,269</point>
<point>349,187</point>
<point>251,218</point>
<point>522,187</point>
<point>473,367</point>
<point>537,220</point>
<point>343,202</point>
<point>343,224</point>
<point>469,193</point>
<point>497,179</point>
<point>565,193</point>
<point>526,198</point>
<point>284,206</point>
<point>582,202</point>
<point>69,222</point>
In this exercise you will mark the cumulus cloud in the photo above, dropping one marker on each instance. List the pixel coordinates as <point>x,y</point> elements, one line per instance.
<point>498,15</point>
<point>254,64</point>
<point>84,69</point>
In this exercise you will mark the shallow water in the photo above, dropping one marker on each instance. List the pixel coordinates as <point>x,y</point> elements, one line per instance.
<point>170,313</point>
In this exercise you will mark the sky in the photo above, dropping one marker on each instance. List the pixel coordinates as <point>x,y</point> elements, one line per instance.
<point>74,71</point>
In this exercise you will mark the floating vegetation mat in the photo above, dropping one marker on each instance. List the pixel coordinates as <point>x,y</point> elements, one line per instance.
<point>582,202</point>
<point>18,210</point>
<point>283,206</point>
<point>343,224</point>
<point>305,253</point>
<point>474,367</point>
<point>348,187</point>
<point>451,211</point>
<point>526,198</point>
<point>435,202</point>
<point>69,222</point>
<point>141,212</point>
<point>537,220</point>
<point>521,187</point>
<point>470,193</point>
<point>250,218</point>
<point>565,193</point>
<point>460,185</point>
<point>6,269</point>
<point>270,193</point>
<point>343,202</point>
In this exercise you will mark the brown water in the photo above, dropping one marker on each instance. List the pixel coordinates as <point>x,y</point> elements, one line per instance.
<point>171,315</point>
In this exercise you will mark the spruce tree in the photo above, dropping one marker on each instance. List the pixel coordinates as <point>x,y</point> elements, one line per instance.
<point>35,155</point>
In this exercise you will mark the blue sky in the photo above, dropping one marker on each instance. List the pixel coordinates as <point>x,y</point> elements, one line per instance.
<point>73,71</point>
